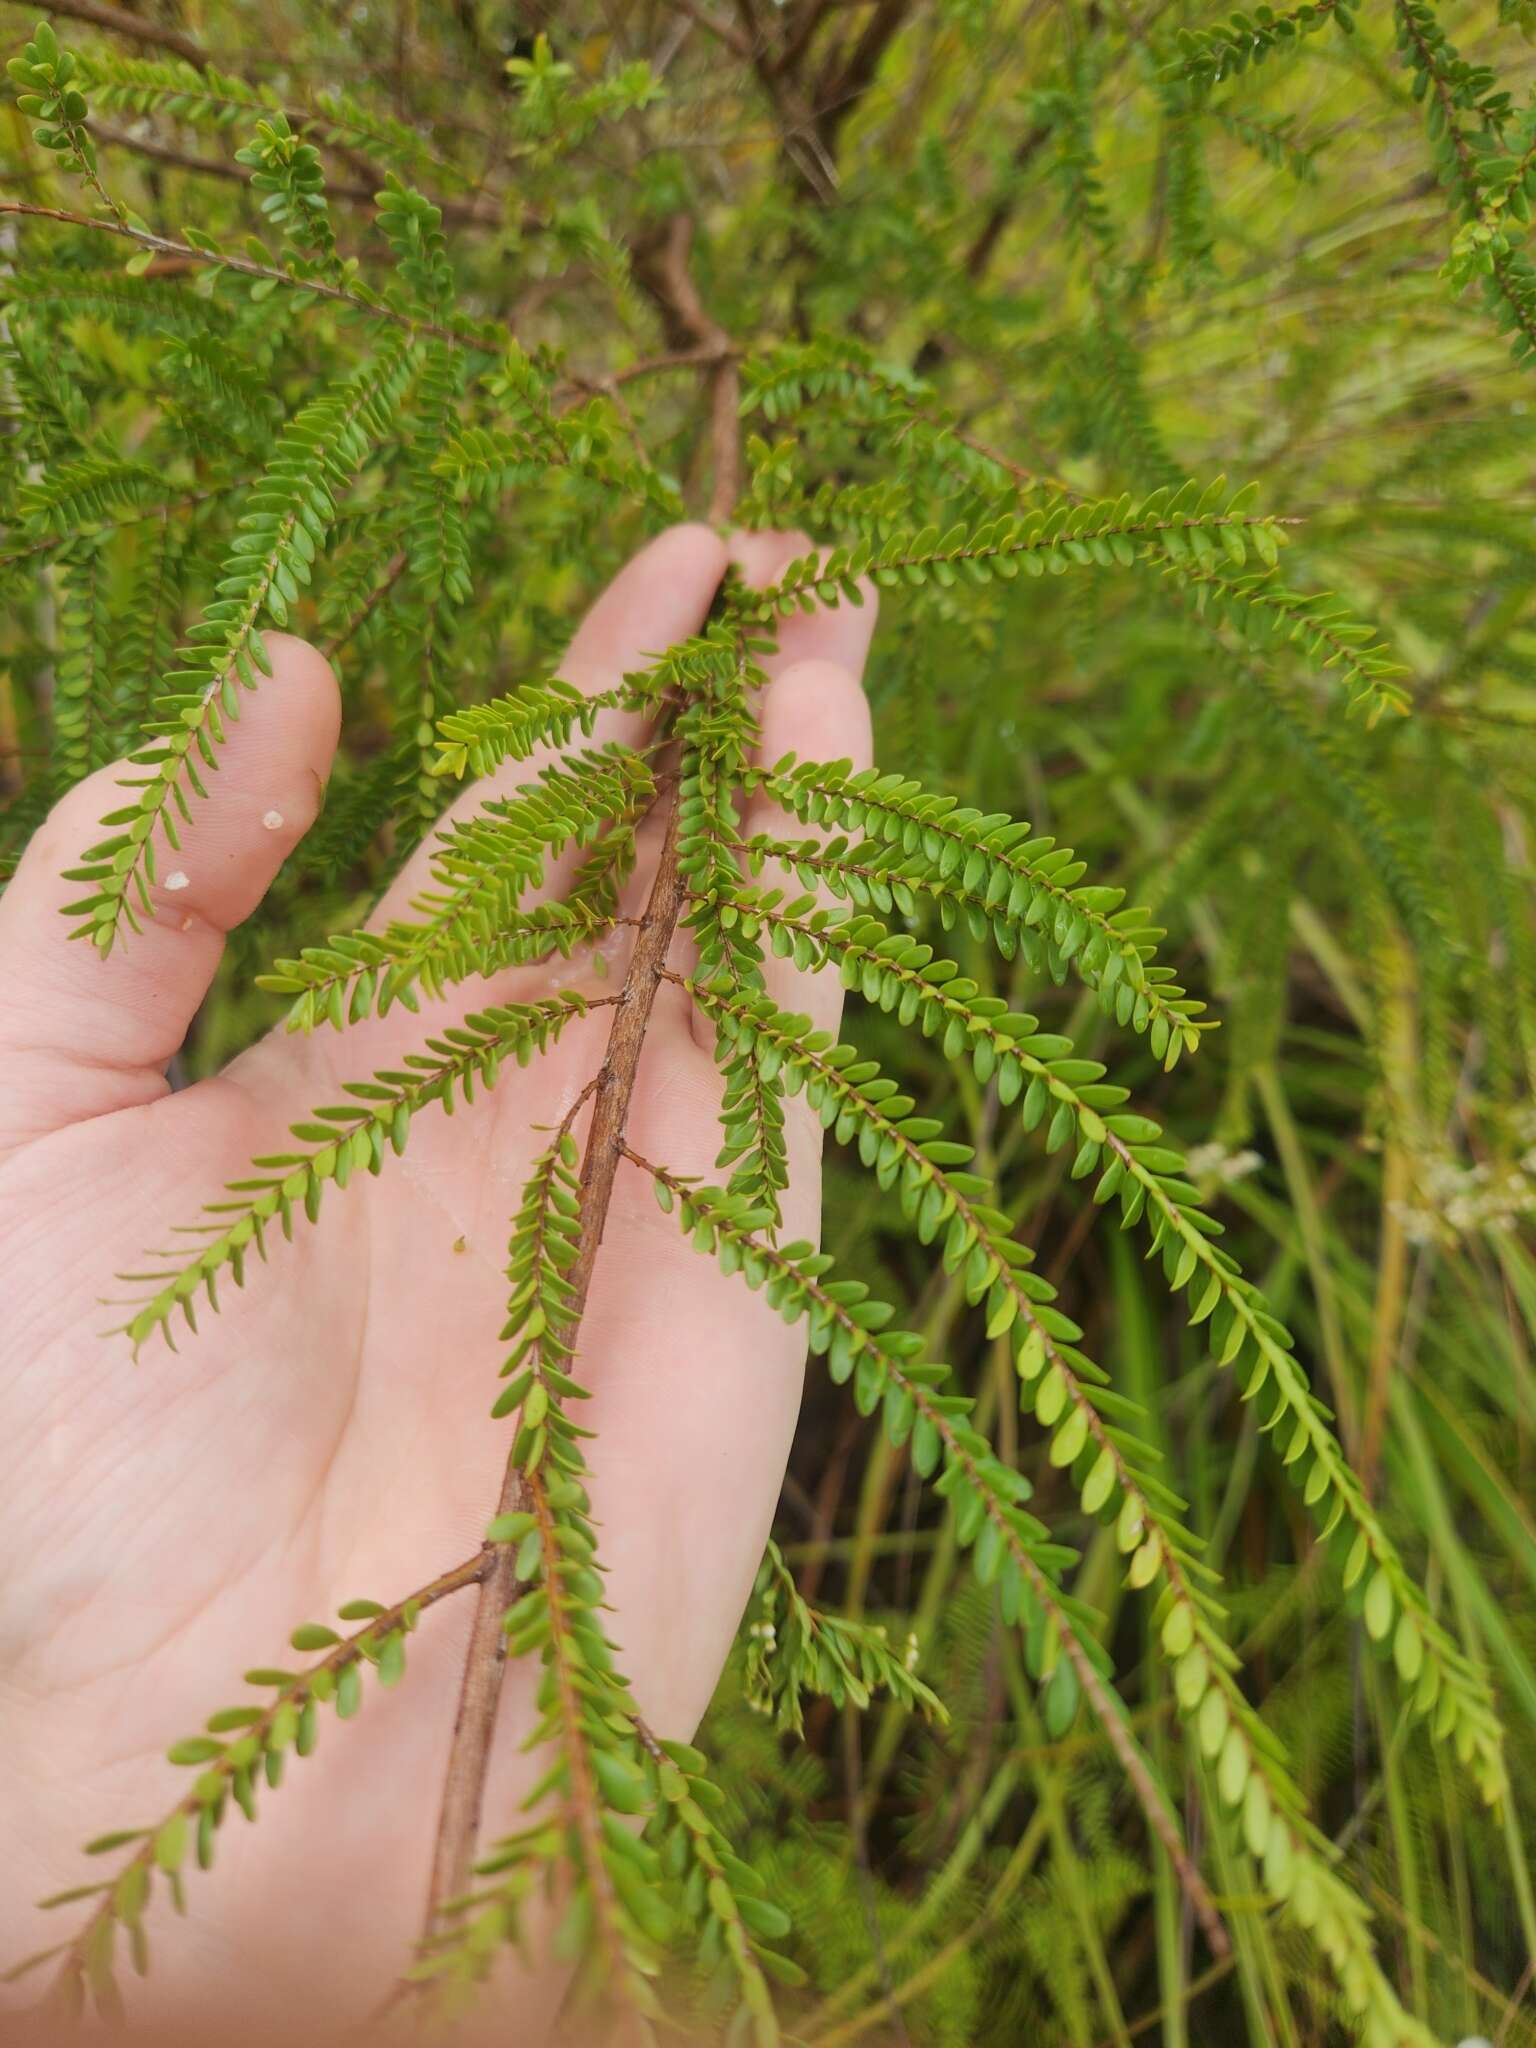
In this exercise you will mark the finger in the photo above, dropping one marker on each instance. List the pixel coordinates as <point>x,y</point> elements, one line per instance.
<point>840,633</point>
<point>818,711</point>
<point>814,707</point>
<point>660,597</point>
<point>80,1035</point>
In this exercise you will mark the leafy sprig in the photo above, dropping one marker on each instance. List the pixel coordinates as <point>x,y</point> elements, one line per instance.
<point>1066,1094</point>
<point>793,1649</point>
<point>240,1749</point>
<point>890,1374</point>
<point>1209,55</point>
<point>340,1140</point>
<point>1024,888</point>
<point>284,525</point>
<point>850,1329</point>
<point>599,1778</point>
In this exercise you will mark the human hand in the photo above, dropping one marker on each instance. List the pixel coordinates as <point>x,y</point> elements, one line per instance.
<point>165,1525</point>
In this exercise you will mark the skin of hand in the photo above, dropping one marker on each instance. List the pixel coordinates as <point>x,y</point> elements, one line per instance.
<point>163,1525</point>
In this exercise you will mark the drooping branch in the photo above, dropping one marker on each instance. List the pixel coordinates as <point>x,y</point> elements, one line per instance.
<point>958,1445</point>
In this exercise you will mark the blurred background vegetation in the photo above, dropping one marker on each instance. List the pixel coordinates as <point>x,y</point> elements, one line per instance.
<point>978,250</point>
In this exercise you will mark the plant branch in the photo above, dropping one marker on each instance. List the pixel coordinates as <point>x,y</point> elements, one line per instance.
<point>725,31</point>
<point>166,509</point>
<point>585,1805</point>
<point>208,167</point>
<point>474,1724</point>
<point>484,211</point>
<point>287,1701</point>
<point>694,334</point>
<point>611,1090</point>
<point>245,267</point>
<point>480,1688</point>
<point>844,85</point>
<point>135,27</point>
<point>1433,68</point>
<point>939,1417</point>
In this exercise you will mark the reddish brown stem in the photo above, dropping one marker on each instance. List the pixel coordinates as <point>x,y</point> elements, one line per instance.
<point>696,335</point>
<point>470,1753</point>
<point>474,1726</point>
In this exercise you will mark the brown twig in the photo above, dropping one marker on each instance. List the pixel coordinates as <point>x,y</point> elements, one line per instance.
<point>135,27</point>
<point>799,30</point>
<point>779,76</point>
<point>725,435</point>
<point>654,366</point>
<point>725,31</point>
<point>376,595</point>
<point>612,1090</point>
<point>474,1727</point>
<point>474,1723</point>
<point>844,84</point>
<point>694,334</point>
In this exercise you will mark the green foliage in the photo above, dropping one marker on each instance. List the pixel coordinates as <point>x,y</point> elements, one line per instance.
<point>289,511</point>
<point>242,1749</point>
<point>1209,55</point>
<point>1024,891</point>
<point>342,1139</point>
<point>1483,155</point>
<point>986,301</point>
<point>49,93</point>
<point>794,1649</point>
<point>632,1891</point>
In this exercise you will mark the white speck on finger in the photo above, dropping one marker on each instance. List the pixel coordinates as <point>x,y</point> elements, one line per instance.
<point>177,880</point>
<point>272,820</point>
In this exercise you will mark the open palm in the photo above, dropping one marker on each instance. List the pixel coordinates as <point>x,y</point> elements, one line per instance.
<point>164,1525</point>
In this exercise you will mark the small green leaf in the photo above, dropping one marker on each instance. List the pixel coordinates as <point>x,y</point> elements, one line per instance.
<point>171,1843</point>
<point>1378,1605</point>
<point>313,1635</point>
<point>196,1749</point>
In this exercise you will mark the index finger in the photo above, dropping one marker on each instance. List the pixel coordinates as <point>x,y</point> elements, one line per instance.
<point>660,597</point>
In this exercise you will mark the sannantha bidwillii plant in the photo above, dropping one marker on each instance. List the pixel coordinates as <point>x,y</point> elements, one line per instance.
<point>452,412</point>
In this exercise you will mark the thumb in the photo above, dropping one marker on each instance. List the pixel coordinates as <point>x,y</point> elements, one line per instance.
<point>81,1035</point>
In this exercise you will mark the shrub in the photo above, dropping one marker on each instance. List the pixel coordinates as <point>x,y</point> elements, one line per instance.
<point>990,302</point>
